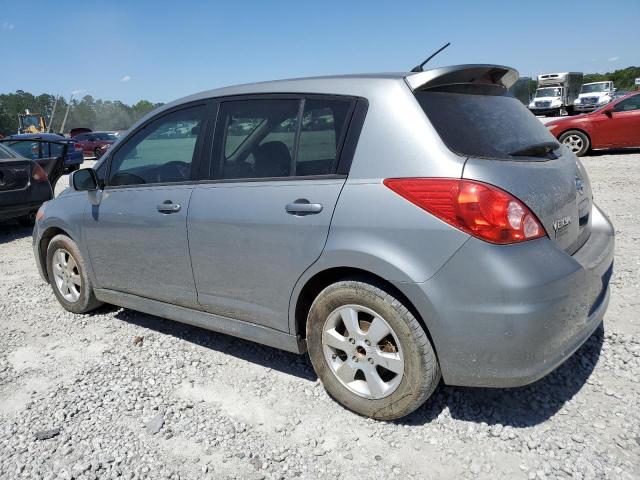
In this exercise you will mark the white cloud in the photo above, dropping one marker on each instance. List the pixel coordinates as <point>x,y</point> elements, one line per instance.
<point>126,78</point>
<point>8,26</point>
<point>77,92</point>
<point>613,59</point>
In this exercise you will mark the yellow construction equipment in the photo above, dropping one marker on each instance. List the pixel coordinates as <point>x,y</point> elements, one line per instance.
<point>31,122</point>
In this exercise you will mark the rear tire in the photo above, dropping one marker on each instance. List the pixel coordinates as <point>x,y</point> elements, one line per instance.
<point>68,276</point>
<point>578,142</point>
<point>351,361</point>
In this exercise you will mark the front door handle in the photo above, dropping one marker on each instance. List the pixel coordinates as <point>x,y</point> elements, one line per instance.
<point>302,206</point>
<point>168,207</point>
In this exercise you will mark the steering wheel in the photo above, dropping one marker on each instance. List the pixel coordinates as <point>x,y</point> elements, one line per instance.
<point>174,171</point>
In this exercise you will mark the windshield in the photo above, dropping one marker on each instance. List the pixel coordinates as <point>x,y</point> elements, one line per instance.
<point>105,136</point>
<point>549,92</point>
<point>30,121</point>
<point>596,87</point>
<point>484,121</point>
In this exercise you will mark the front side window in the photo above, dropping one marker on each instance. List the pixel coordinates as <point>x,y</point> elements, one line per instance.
<point>631,103</point>
<point>162,152</point>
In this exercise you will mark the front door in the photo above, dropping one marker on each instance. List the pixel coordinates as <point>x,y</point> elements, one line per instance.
<point>264,217</point>
<point>137,234</point>
<point>626,116</point>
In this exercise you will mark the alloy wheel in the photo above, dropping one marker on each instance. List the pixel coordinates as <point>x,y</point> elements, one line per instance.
<point>363,351</point>
<point>574,142</point>
<point>66,275</point>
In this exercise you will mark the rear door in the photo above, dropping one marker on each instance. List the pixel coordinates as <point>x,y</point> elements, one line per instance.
<point>137,234</point>
<point>508,147</point>
<point>264,216</point>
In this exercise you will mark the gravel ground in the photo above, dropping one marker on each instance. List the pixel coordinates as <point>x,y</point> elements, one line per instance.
<point>123,394</point>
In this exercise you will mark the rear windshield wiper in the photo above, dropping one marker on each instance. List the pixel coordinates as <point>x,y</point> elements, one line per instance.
<point>537,150</point>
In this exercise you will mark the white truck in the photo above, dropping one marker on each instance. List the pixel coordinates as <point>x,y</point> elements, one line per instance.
<point>594,95</point>
<point>556,93</point>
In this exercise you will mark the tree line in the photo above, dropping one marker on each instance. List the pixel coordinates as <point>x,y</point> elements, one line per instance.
<point>84,112</point>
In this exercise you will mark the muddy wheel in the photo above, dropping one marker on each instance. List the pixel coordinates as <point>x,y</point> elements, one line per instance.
<point>68,276</point>
<point>370,352</point>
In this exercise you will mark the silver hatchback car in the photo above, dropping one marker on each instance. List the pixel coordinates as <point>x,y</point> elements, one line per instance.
<point>401,228</point>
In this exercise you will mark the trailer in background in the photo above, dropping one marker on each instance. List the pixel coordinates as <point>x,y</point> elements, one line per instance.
<point>556,93</point>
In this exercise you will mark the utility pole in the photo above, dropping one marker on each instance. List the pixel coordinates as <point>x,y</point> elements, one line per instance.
<point>64,120</point>
<point>53,112</point>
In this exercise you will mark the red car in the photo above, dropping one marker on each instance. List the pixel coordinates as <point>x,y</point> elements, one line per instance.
<point>616,125</point>
<point>93,143</point>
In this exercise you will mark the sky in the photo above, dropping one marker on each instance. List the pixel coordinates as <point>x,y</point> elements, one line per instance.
<point>159,50</point>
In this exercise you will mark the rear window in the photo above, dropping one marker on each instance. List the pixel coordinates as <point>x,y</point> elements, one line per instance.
<point>483,121</point>
<point>4,154</point>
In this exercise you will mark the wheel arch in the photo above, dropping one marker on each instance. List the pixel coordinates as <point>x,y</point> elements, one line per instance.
<point>322,279</point>
<point>577,130</point>
<point>43,244</point>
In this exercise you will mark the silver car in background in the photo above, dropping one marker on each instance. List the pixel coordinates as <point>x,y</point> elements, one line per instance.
<point>401,228</point>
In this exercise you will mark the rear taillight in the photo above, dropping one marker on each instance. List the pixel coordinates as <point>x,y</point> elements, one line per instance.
<point>77,146</point>
<point>38,174</point>
<point>479,209</point>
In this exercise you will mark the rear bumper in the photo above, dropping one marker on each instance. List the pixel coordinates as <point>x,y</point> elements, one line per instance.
<point>505,316</point>
<point>17,203</point>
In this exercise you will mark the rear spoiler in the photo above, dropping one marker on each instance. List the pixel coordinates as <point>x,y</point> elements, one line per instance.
<point>456,74</point>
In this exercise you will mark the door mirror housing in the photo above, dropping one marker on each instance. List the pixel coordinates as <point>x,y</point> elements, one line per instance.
<point>608,110</point>
<point>84,180</point>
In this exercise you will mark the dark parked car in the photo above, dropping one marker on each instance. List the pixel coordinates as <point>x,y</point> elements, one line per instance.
<point>616,125</point>
<point>24,186</point>
<point>93,143</point>
<point>55,153</point>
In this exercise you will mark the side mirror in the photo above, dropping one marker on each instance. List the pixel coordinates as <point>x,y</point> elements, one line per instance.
<point>608,110</point>
<point>84,180</point>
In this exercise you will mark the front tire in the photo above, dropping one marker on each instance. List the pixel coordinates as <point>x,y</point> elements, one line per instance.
<point>68,276</point>
<point>576,141</point>
<point>370,352</point>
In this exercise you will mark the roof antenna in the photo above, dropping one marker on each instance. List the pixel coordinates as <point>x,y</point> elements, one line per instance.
<point>418,68</point>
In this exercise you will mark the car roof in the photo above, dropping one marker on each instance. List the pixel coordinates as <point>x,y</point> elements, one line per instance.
<point>360,84</point>
<point>358,81</point>
<point>35,136</point>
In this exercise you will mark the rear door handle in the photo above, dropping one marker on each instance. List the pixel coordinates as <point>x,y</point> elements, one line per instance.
<point>168,207</point>
<point>302,206</point>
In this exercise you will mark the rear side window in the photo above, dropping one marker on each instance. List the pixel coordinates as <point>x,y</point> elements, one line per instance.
<point>323,125</point>
<point>56,149</point>
<point>4,154</point>
<point>483,121</point>
<point>272,138</point>
<point>27,149</point>
<point>257,138</point>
